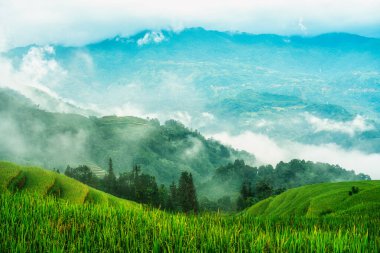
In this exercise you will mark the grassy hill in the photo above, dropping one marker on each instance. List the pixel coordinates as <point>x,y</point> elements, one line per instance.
<point>331,199</point>
<point>15,178</point>
<point>33,220</point>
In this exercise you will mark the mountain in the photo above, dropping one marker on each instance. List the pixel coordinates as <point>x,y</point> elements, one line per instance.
<point>332,199</point>
<point>54,140</point>
<point>284,87</point>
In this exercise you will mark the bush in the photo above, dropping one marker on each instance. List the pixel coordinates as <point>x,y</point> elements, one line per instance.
<point>354,190</point>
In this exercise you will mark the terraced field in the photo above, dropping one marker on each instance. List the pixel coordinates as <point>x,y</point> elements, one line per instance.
<point>15,178</point>
<point>43,211</point>
<point>323,199</point>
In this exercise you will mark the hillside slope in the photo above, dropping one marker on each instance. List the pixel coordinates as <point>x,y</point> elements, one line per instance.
<point>323,199</point>
<point>54,140</point>
<point>15,178</point>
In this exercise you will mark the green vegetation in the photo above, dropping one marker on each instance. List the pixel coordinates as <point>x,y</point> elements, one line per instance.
<point>141,187</point>
<point>323,199</point>
<point>38,221</point>
<point>44,183</point>
<point>33,223</point>
<point>248,184</point>
<point>54,140</point>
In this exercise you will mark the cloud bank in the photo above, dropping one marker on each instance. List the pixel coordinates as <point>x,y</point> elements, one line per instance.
<point>357,125</point>
<point>269,151</point>
<point>73,22</point>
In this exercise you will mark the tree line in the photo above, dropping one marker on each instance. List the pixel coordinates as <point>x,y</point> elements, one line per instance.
<point>141,187</point>
<point>242,185</point>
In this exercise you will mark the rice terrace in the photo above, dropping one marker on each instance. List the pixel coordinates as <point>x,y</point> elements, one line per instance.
<point>84,219</point>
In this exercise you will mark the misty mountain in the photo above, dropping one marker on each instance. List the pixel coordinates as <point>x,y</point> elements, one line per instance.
<point>33,136</point>
<point>296,91</point>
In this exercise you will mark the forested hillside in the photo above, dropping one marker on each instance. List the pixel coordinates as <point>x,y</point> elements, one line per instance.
<point>55,140</point>
<point>238,185</point>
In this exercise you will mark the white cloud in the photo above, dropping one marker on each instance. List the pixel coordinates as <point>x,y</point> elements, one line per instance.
<point>183,117</point>
<point>36,78</point>
<point>357,125</point>
<point>302,26</point>
<point>76,22</point>
<point>37,65</point>
<point>269,151</point>
<point>151,37</point>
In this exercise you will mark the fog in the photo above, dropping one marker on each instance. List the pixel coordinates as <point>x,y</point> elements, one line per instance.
<point>270,151</point>
<point>29,143</point>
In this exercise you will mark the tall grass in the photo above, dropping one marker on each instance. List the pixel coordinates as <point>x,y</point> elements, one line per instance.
<point>32,223</point>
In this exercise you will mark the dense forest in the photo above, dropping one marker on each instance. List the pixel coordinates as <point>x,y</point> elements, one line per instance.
<point>238,185</point>
<point>142,188</point>
<point>234,186</point>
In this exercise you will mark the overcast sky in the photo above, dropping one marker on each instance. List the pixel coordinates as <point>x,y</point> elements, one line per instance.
<point>76,22</point>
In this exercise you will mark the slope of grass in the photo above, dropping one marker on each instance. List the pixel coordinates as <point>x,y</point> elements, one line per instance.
<point>44,182</point>
<point>34,223</point>
<point>323,199</point>
<point>33,220</point>
<point>9,171</point>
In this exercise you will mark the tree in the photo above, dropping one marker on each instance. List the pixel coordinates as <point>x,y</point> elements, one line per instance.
<point>163,197</point>
<point>173,198</point>
<point>83,174</point>
<point>110,179</point>
<point>246,196</point>
<point>187,194</point>
<point>263,190</point>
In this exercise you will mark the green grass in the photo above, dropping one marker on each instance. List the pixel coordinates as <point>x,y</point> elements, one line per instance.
<point>43,182</point>
<point>322,199</point>
<point>33,223</point>
<point>9,171</point>
<point>92,221</point>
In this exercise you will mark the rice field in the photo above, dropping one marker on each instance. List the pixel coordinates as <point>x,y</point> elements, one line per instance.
<point>43,211</point>
<point>33,223</point>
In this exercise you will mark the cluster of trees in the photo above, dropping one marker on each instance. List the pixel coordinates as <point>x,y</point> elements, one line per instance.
<point>251,194</point>
<point>234,186</point>
<point>247,185</point>
<point>142,188</point>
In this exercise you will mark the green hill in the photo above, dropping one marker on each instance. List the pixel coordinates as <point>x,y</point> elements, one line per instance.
<point>323,199</point>
<point>32,220</point>
<point>54,140</point>
<point>15,178</point>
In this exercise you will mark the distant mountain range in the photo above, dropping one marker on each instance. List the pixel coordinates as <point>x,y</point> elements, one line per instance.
<point>317,90</point>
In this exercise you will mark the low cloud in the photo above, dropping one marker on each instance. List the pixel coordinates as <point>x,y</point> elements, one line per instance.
<point>38,65</point>
<point>194,150</point>
<point>27,143</point>
<point>357,125</point>
<point>151,37</point>
<point>37,77</point>
<point>269,151</point>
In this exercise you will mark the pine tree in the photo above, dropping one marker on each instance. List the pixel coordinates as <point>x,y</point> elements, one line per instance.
<point>246,194</point>
<point>187,196</point>
<point>110,179</point>
<point>192,195</point>
<point>173,198</point>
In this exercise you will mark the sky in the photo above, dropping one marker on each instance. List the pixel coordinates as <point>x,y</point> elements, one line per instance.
<point>73,22</point>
